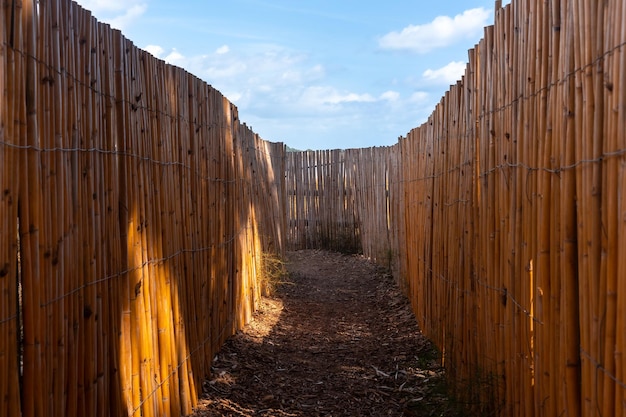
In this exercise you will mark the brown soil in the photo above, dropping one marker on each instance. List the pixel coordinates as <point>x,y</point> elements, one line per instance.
<point>338,340</point>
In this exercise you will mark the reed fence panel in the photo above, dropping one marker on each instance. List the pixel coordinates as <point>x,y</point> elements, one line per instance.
<point>515,273</point>
<point>517,258</point>
<point>504,213</point>
<point>135,208</point>
<point>340,200</point>
<point>322,203</point>
<point>135,211</point>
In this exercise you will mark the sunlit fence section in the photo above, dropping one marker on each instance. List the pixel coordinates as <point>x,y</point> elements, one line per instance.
<point>504,215</point>
<point>515,213</point>
<point>134,212</point>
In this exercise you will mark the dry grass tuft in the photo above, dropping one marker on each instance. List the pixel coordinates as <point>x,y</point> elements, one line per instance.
<point>273,273</point>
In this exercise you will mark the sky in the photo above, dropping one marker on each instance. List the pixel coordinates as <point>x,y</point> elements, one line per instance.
<point>313,74</point>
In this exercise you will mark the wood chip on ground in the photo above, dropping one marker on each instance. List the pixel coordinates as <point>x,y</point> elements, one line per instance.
<point>339,339</point>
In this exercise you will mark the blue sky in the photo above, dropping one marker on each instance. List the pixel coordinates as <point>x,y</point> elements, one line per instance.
<point>314,74</point>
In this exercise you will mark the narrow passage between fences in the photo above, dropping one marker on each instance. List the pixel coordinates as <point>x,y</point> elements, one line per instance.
<point>337,339</point>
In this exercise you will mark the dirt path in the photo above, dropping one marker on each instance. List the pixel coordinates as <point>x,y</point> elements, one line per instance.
<point>339,340</point>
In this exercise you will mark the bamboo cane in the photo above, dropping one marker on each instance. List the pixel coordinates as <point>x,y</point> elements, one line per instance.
<point>8,300</point>
<point>481,186</point>
<point>474,88</point>
<point>541,265</point>
<point>160,292</point>
<point>63,139</point>
<point>48,230</point>
<point>582,181</point>
<point>619,88</point>
<point>72,275</point>
<point>30,220</point>
<point>150,391</point>
<point>569,290</point>
<point>100,195</point>
<point>604,125</point>
<point>124,342</point>
<point>554,346</point>
<point>10,246</point>
<point>111,314</point>
<point>89,211</point>
<point>526,133</point>
<point>184,109</point>
<point>164,109</point>
<point>527,193</point>
<point>588,212</point>
<point>514,70</point>
<point>8,306</point>
<point>198,133</point>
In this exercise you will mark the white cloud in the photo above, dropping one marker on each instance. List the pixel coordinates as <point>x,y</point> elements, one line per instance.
<point>106,5</point>
<point>282,90</point>
<point>130,15</point>
<point>352,98</point>
<point>176,58</point>
<point>235,96</point>
<point>390,96</point>
<point>419,97</point>
<point>320,96</point>
<point>441,32</point>
<point>173,56</point>
<point>155,50</point>
<point>316,71</point>
<point>118,13</point>
<point>224,70</point>
<point>292,76</point>
<point>222,50</point>
<point>263,64</point>
<point>446,75</point>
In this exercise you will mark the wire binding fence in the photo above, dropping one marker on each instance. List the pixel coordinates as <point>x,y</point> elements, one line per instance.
<point>134,214</point>
<point>502,216</point>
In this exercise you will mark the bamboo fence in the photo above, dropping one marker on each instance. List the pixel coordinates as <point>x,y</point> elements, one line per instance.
<point>135,206</point>
<point>340,200</point>
<point>135,209</point>
<point>321,200</point>
<point>504,215</point>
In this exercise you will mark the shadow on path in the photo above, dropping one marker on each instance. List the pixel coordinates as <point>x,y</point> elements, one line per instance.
<point>338,340</point>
